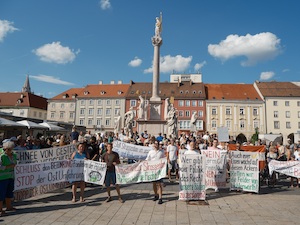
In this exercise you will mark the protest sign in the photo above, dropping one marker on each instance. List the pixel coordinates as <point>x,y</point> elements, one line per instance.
<point>215,169</point>
<point>144,171</point>
<point>223,135</point>
<point>244,171</point>
<point>192,177</point>
<point>94,172</point>
<point>45,155</point>
<point>42,155</point>
<point>130,151</point>
<point>289,168</point>
<point>35,174</point>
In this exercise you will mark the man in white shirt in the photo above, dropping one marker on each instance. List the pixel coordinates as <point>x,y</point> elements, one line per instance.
<point>156,154</point>
<point>172,155</point>
<point>192,150</point>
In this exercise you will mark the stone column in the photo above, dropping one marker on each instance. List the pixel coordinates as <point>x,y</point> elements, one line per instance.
<point>157,42</point>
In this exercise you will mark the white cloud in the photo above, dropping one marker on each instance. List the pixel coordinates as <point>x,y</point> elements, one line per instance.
<point>105,4</point>
<point>56,53</point>
<point>255,48</point>
<point>135,62</point>
<point>198,66</point>
<point>286,70</point>
<point>5,28</point>
<point>168,64</point>
<point>266,75</point>
<point>50,79</point>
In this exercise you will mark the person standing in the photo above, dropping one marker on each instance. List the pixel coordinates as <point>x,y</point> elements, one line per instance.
<point>79,154</point>
<point>172,154</point>
<point>155,154</point>
<point>192,150</point>
<point>74,135</point>
<point>8,161</point>
<point>111,159</point>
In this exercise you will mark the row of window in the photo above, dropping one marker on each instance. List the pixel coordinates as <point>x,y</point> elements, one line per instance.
<point>188,113</point>
<point>286,103</point>
<point>188,103</point>
<point>287,114</point>
<point>228,124</point>
<point>287,125</point>
<point>228,111</point>
<point>90,102</point>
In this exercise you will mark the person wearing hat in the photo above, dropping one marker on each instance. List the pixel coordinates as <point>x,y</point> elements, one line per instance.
<point>8,161</point>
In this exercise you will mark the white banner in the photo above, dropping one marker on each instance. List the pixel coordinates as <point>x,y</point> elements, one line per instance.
<point>38,156</point>
<point>143,171</point>
<point>289,168</point>
<point>244,171</point>
<point>46,154</point>
<point>192,177</point>
<point>130,151</point>
<point>94,172</point>
<point>36,174</point>
<point>215,169</point>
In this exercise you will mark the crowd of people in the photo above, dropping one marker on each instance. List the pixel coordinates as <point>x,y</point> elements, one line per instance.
<point>99,147</point>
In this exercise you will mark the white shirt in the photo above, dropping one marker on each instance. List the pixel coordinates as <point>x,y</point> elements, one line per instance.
<point>172,150</point>
<point>155,155</point>
<point>297,155</point>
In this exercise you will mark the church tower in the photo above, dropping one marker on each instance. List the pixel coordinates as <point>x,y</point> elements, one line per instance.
<point>26,86</point>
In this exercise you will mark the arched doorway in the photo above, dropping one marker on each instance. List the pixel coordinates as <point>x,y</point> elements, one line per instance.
<point>241,138</point>
<point>291,137</point>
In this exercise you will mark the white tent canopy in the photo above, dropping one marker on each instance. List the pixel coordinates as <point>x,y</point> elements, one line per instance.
<point>9,123</point>
<point>51,127</point>
<point>31,125</point>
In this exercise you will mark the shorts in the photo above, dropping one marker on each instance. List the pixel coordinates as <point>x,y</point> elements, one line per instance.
<point>6,189</point>
<point>173,165</point>
<point>110,178</point>
<point>158,181</point>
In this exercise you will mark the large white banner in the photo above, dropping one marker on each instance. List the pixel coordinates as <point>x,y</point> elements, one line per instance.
<point>45,155</point>
<point>215,169</point>
<point>130,151</point>
<point>289,168</point>
<point>143,171</point>
<point>244,171</point>
<point>36,174</point>
<point>192,177</point>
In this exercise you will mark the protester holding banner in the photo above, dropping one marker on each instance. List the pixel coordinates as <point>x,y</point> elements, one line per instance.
<point>192,150</point>
<point>156,154</point>
<point>272,155</point>
<point>79,154</point>
<point>172,154</point>
<point>8,160</point>
<point>111,159</point>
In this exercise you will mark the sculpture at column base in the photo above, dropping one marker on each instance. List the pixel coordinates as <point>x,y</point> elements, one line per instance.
<point>193,121</point>
<point>128,119</point>
<point>172,123</point>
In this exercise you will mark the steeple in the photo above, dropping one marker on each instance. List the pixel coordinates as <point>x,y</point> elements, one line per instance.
<point>26,86</point>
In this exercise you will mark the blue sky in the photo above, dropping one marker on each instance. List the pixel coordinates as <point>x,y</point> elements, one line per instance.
<point>63,44</point>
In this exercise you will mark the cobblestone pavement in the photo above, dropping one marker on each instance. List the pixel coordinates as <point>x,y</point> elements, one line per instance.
<point>278,205</point>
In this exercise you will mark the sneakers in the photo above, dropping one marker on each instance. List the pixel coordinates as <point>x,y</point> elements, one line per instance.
<point>121,200</point>
<point>160,201</point>
<point>108,199</point>
<point>155,198</point>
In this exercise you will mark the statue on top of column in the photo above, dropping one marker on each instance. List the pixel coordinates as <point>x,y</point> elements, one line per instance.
<point>158,25</point>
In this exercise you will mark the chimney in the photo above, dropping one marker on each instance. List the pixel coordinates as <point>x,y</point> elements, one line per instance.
<point>112,82</point>
<point>120,82</point>
<point>100,82</point>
